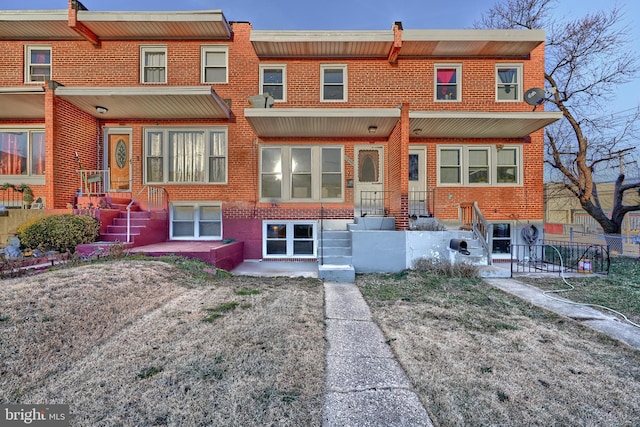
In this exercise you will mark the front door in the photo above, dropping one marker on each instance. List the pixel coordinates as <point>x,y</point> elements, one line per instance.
<point>418,196</point>
<point>118,162</point>
<point>369,180</point>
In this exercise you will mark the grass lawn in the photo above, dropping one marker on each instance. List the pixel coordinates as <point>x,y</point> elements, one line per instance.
<point>478,356</point>
<point>146,342</point>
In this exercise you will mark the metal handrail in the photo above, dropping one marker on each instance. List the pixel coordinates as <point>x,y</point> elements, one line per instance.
<point>93,181</point>
<point>483,229</point>
<point>156,200</point>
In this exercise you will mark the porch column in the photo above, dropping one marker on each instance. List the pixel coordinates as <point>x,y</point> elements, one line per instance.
<point>402,217</point>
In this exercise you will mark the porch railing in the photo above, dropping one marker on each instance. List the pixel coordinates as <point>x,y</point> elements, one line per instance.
<point>157,199</point>
<point>93,182</point>
<point>375,203</point>
<point>473,219</point>
<point>560,257</point>
<point>421,203</point>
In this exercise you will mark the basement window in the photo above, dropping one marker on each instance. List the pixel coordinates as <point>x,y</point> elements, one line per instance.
<point>196,221</point>
<point>289,239</point>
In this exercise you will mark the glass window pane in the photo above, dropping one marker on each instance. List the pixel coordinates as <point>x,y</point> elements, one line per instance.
<point>301,186</point>
<point>450,157</point>
<point>276,231</point>
<point>478,175</point>
<point>154,169</point>
<point>450,175</point>
<point>215,75</point>
<point>186,156</point>
<point>333,92</point>
<point>210,229</point>
<point>276,247</point>
<point>303,247</point>
<point>331,185</point>
<point>272,186</point>
<point>303,231</point>
<point>300,160</point>
<point>333,76</point>
<point>507,174</point>
<point>414,174</point>
<point>217,171</point>
<point>154,147</point>
<point>183,213</point>
<point>210,213</point>
<point>272,76</point>
<point>277,92</point>
<point>13,153</point>
<point>183,229</point>
<point>331,160</point>
<point>40,56</point>
<point>217,145</point>
<point>38,157</point>
<point>507,156</point>
<point>271,162</point>
<point>216,59</point>
<point>478,157</point>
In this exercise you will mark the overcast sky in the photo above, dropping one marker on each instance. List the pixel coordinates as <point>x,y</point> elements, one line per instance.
<point>356,15</point>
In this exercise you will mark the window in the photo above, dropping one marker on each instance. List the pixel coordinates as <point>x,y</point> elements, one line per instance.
<point>508,82</point>
<point>153,64</point>
<point>273,80</point>
<point>333,83</point>
<point>448,82</point>
<point>301,173</point>
<point>37,64</point>
<point>214,64</point>
<point>22,152</point>
<point>196,221</point>
<point>186,155</point>
<point>289,239</point>
<point>472,164</point>
<point>501,238</point>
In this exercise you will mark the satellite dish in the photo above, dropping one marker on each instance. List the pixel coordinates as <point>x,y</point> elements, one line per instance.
<point>534,96</point>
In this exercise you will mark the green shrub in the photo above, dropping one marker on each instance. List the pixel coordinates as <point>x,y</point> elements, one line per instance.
<point>59,232</point>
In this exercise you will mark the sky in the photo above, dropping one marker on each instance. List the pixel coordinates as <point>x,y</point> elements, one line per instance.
<point>359,15</point>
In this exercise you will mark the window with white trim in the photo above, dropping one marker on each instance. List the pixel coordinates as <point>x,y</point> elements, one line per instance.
<point>301,173</point>
<point>287,239</point>
<point>448,82</point>
<point>508,82</point>
<point>479,165</point>
<point>201,221</point>
<point>153,64</point>
<point>186,155</point>
<point>214,64</point>
<point>22,153</point>
<point>333,83</point>
<point>37,64</point>
<point>501,238</point>
<point>273,80</point>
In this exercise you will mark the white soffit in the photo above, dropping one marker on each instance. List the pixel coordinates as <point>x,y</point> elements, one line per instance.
<point>22,102</point>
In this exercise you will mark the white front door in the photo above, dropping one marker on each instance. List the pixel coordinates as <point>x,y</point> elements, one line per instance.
<point>369,180</point>
<point>418,196</point>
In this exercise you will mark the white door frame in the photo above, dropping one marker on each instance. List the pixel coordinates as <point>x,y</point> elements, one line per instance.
<point>373,204</point>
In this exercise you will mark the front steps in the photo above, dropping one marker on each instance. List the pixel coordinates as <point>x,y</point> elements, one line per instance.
<point>334,253</point>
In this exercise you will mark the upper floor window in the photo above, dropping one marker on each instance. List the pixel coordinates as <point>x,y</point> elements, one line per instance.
<point>22,152</point>
<point>301,173</point>
<point>214,64</point>
<point>153,64</point>
<point>186,155</point>
<point>37,64</point>
<point>508,82</point>
<point>472,164</point>
<point>448,82</point>
<point>273,80</point>
<point>333,83</point>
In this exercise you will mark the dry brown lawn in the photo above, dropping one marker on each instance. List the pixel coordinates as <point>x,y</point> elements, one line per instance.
<point>480,357</point>
<point>139,342</point>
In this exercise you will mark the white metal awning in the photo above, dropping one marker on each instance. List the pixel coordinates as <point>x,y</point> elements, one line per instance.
<point>23,102</point>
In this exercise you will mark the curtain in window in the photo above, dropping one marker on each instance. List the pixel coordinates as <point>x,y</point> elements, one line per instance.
<point>507,75</point>
<point>446,76</point>
<point>37,153</point>
<point>13,153</point>
<point>154,67</point>
<point>218,150</point>
<point>186,156</point>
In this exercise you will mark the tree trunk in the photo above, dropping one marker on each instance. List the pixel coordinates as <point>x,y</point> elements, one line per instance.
<point>609,226</point>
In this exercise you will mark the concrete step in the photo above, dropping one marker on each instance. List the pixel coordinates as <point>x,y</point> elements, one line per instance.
<point>138,222</point>
<point>122,229</point>
<point>337,273</point>
<point>335,250</point>
<point>335,259</point>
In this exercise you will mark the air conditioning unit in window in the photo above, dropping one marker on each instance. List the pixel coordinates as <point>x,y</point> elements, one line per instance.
<point>263,100</point>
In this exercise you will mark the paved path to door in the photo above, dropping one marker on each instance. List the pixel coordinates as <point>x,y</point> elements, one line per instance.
<point>365,385</point>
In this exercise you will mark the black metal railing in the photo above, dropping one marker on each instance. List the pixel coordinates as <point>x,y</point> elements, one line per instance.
<point>421,204</point>
<point>375,203</point>
<point>560,257</point>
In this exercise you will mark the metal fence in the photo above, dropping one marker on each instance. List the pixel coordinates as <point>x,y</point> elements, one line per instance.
<point>375,203</point>
<point>560,257</point>
<point>421,204</point>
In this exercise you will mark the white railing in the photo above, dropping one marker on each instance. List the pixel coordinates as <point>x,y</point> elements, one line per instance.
<point>93,181</point>
<point>157,199</point>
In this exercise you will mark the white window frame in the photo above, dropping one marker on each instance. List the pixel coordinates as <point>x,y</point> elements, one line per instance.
<point>153,49</point>
<point>217,48</point>
<point>30,177</point>
<point>493,165</point>
<point>509,239</point>
<point>345,91</point>
<point>285,173</point>
<point>196,220</point>
<point>282,67</point>
<point>458,84</point>
<point>27,63</point>
<point>518,83</point>
<point>165,131</point>
<point>290,238</point>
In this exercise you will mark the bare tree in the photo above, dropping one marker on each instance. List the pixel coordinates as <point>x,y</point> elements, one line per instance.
<point>586,58</point>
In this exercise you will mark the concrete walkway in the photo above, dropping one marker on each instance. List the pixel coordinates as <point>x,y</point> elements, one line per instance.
<point>595,319</point>
<point>365,385</point>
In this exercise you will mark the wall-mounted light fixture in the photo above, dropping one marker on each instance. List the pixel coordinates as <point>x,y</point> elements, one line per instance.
<point>499,147</point>
<point>101,110</point>
<point>373,129</point>
<point>417,131</point>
